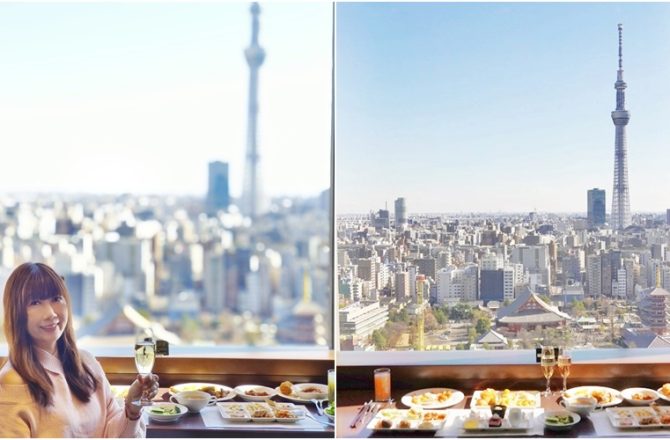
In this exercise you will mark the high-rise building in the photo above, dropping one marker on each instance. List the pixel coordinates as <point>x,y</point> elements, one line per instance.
<point>255,55</point>
<point>401,214</point>
<point>667,216</point>
<point>218,195</point>
<point>595,208</point>
<point>620,193</point>
<point>492,285</point>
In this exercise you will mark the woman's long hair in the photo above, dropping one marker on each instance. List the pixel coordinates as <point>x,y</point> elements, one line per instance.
<point>37,281</point>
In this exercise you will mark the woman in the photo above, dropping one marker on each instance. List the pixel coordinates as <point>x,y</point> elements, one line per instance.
<point>49,388</point>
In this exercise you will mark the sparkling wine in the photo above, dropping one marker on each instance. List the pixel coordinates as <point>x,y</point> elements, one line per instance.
<point>564,363</point>
<point>145,353</point>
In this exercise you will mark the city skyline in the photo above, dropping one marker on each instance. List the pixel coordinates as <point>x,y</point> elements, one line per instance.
<point>115,112</point>
<point>496,107</point>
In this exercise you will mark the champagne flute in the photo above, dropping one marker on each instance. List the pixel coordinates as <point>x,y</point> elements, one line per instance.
<point>145,354</point>
<point>548,362</point>
<point>564,362</point>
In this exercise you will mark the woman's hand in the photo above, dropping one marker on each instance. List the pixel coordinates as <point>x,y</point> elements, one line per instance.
<point>148,383</point>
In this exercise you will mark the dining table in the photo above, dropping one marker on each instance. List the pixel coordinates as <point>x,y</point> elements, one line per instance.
<point>209,423</point>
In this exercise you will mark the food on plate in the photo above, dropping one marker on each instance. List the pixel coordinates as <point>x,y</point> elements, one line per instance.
<point>330,410</point>
<point>384,424</point>
<point>487,397</point>
<point>426,425</point>
<point>648,421</point>
<point>286,388</point>
<point>257,392</point>
<point>642,396</point>
<point>414,413</point>
<point>431,415</point>
<point>404,424</point>
<point>430,398</point>
<point>285,414</point>
<point>665,419</point>
<point>602,396</point>
<point>559,420</point>
<point>312,389</point>
<point>490,397</point>
<point>471,423</point>
<point>217,391</point>
<point>665,390</point>
<point>626,421</point>
<point>165,410</point>
<point>495,421</point>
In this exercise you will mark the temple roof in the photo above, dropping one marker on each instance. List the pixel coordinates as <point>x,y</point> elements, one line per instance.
<point>529,308</point>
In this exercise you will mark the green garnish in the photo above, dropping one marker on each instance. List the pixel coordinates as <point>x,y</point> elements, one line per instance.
<point>559,420</point>
<point>330,410</point>
<point>165,410</point>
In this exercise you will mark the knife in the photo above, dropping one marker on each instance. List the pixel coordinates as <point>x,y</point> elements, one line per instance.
<point>361,411</point>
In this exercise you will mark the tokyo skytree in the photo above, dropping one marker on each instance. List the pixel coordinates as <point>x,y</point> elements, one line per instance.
<point>620,117</point>
<point>255,55</point>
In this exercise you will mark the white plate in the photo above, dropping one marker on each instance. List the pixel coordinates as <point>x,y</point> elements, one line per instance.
<point>233,412</point>
<point>661,395</point>
<point>163,418</point>
<point>293,398</point>
<point>321,395</point>
<point>565,427</point>
<point>242,389</point>
<point>455,398</point>
<point>628,394</point>
<point>533,396</point>
<point>615,396</point>
<point>193,386</point>
<point>630,417</point>
<point>507,426</point>
<point>397,416</point>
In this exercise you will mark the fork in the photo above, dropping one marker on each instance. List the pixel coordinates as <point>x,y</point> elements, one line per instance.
<point>311,417</point>
<point>319,407</point>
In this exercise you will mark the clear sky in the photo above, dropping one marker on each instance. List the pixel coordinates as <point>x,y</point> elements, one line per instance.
<point>498,106</point>
<point>120,97</point>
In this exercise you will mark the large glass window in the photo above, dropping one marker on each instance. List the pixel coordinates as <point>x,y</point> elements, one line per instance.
<point>490,190</point>
<point>172,162</point>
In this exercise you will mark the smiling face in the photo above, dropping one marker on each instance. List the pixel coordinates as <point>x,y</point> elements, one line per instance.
<point>36,309</point>
<point>47,319</point>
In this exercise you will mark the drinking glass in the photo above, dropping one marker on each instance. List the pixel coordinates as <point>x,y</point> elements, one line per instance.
<point>145,354</point>
<point>548,362</point>
<point>331,387</point>
<point>382,384</point>
<point>564,362</point>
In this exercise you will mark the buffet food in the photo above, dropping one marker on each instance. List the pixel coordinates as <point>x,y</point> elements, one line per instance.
<point>518,399</point>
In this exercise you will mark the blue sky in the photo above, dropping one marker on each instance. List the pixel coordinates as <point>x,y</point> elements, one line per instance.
<point>498,106</point>
<point>137,97</point>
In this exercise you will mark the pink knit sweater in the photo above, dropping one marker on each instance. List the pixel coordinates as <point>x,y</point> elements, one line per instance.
<point>102,416</point>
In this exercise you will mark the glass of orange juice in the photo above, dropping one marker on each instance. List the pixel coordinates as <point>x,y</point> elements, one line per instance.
<point>382,385</point>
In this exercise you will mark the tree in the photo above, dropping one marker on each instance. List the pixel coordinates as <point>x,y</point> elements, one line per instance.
<point>379,340</point>
<point>460,312</point>
<point>483,325</point>
<point>440,317</point>
<point>472,335</point>
<point>578,308</point>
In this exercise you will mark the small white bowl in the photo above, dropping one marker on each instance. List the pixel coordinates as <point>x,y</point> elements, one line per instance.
<point>581,405</point>
<point>266,393</point>
<point>629,393</point>
<point>561,427</point>
<point>193,400</point>
<point>159,417</point>
<point>311,391</point>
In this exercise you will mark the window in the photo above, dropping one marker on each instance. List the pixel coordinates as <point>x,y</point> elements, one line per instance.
<point>473,143</point>
<point>172,162</point>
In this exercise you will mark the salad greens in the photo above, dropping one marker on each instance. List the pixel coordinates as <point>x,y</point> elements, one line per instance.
<point>330,410</point>
<point>166,410</point>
